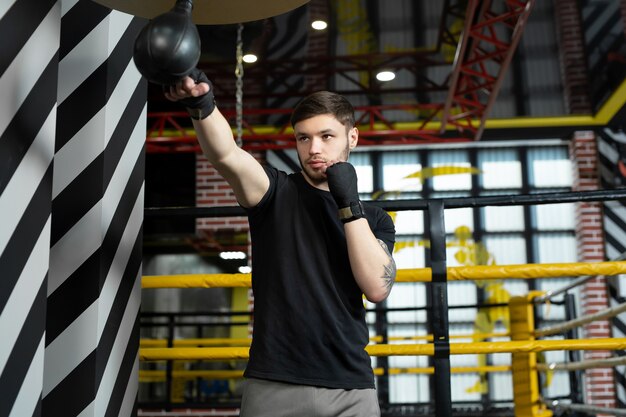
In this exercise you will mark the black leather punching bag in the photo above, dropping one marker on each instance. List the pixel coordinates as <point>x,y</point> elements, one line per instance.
<point>168,48</point>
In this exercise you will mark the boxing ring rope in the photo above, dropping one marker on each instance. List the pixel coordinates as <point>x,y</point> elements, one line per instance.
<point>527,401</point>
<point>147,343</point>
<point>516,346</point>
<point>455,273</point>
<point>526,398</point>
<point>418,204</point>
<point>577,282</point>
<point>188,413</point>
<point>430,337</point>
<point>159,375</point>
<point>587,409</point>
<point>523,347</point>
<point>560,328</point>
<point>582,365</point>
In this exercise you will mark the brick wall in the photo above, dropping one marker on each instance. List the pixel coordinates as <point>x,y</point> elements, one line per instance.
<point>213,191</point>
<point>573,57</point>
<point>599,383</point>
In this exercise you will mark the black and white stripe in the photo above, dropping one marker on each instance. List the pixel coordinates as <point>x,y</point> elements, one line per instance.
<point>289,42</point>
<point>612,150</point>
<point>70,236</point>
<point>28,73</point>
<point>283,160</point>
<point>601,24</point>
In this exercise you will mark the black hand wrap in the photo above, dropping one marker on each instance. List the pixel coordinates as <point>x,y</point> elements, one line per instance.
<point>342,183</point>
<point>202,106</point>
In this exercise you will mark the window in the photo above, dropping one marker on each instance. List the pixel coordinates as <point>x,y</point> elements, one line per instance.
<point>504,235</point>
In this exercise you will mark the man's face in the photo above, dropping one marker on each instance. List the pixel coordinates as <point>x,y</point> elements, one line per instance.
<point>321,141</point>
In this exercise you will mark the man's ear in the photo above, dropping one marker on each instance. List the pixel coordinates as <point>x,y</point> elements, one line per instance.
<point>353,137</point>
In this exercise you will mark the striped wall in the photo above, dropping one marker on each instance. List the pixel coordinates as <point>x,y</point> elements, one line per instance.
<point>72,130</point>
<point>603,30</point>
<point>289,41</point>
<point>612,151</point>
<point>28,73</point>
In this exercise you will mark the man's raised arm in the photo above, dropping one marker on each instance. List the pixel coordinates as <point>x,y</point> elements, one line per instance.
<point>244,174</point>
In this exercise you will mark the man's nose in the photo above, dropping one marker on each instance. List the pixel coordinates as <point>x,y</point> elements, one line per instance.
<point>316,146</point>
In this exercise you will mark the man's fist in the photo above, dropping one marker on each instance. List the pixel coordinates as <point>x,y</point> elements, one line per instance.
<point>342,183</point>
<point>192,94</point>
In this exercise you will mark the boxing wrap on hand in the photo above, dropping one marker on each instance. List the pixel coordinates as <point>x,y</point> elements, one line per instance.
<point>342,183</point>
<point>202,106</point>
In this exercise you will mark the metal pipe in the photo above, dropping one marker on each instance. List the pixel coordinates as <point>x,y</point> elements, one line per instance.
<point>583,365</point>
<point>604,314</point>
<point>419,204</point>
<point>587,409</point>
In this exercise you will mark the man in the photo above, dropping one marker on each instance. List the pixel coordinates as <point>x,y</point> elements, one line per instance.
<point>316,250</point>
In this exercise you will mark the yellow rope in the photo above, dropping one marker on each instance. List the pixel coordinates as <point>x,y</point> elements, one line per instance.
<point>456,273</point>
<point>150,343</point>
<point>234,353</point>
<point>159,375</point>
<point>196,281</point>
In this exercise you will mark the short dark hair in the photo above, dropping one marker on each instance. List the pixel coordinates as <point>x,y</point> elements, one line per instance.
<point>324,102</point>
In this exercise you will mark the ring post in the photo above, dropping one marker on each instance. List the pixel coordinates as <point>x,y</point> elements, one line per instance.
<point>439,313</point>
<point>525,380</point>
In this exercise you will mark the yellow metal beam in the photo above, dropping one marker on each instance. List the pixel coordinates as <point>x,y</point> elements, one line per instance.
<point>610,108</point>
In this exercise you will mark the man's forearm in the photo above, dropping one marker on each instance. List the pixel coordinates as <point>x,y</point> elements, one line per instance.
<point>215,137</point>
<point>372,265</point>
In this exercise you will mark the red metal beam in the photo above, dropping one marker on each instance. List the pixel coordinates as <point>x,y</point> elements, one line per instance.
<point>172,132</point>
<point>483,57</point>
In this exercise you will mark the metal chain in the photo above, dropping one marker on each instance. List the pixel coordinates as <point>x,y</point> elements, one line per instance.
<point>239,86</point>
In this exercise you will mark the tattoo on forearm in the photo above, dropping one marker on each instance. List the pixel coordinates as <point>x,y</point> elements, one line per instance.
<point>389,277</point>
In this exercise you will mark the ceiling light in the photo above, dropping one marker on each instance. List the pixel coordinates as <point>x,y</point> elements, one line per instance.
<point>385,76</point>
<point>245,269</point>
<point>232,255</point>
<point>249,58</point>
<point>319,25</point>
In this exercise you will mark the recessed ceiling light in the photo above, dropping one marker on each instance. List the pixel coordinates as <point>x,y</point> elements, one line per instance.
<point>319,25</point>
<point>245,269</point>
<point>232,255</point>
<point>385,76</point>
<point>249,58</point>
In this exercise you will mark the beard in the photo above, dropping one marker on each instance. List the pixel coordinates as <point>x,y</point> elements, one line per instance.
<point>317,177</point>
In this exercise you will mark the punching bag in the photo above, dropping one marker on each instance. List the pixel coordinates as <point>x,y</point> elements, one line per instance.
<point>168,48</point>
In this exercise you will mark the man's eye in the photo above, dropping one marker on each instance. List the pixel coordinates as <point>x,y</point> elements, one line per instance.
<point>302,138</point>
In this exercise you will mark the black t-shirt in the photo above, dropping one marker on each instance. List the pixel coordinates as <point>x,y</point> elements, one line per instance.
<point>309,317</point>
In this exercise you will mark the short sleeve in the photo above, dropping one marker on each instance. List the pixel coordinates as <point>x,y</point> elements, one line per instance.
<point>382,226</point>
<point>273,175</point>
